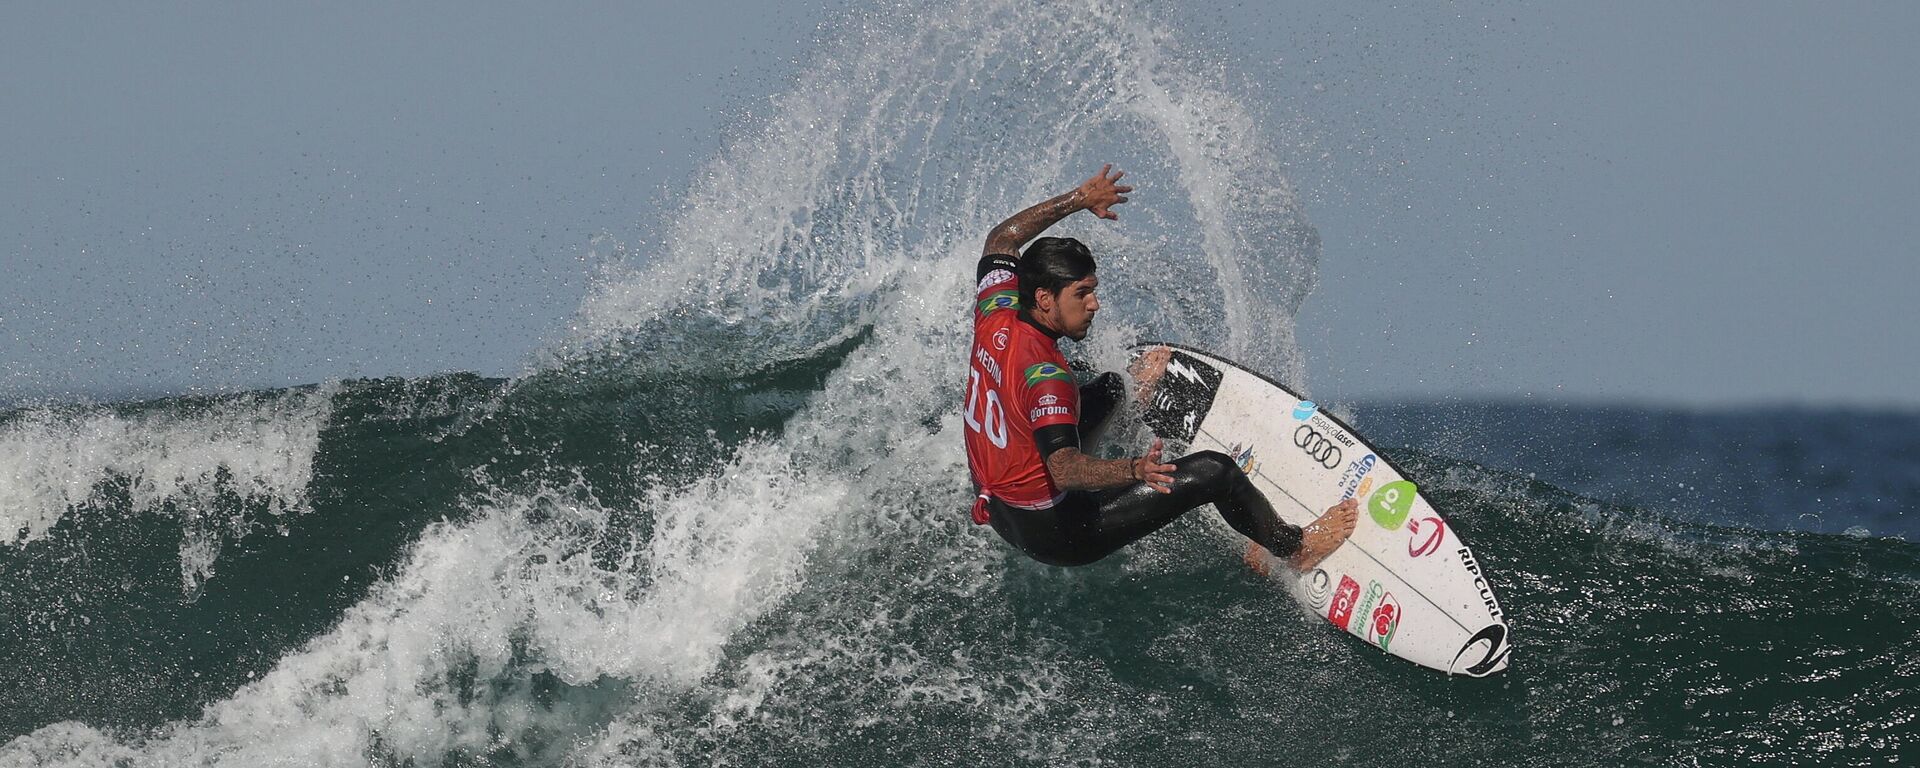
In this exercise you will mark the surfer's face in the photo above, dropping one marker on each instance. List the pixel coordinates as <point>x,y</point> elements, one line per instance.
<point>1072,309</point>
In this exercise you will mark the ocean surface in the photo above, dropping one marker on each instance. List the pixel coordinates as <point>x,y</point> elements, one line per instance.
<point>724,520</point>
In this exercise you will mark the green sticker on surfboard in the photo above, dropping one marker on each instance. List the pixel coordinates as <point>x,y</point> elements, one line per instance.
<point>1391,503</point>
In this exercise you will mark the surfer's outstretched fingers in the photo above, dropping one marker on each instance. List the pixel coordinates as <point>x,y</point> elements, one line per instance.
<point>1100,192</point>
<point>1160,479</point>
<point>1157,474</point>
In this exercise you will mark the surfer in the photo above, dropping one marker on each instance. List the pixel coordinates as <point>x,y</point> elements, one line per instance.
<point>1024,414</point>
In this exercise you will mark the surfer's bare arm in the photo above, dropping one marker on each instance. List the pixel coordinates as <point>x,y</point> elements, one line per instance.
<point>1096,194</point>
<point>1076,471</point>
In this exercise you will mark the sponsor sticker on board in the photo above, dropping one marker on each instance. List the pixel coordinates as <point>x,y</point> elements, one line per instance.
<point>1181,397</point>
<point>1384,621</point>
<point>1341,611</point>
<point>1367,605</point>
<point>1243,458</point>
<point>1316,446</point>
<point>1319,588</point>
<point>1426,535</point>
<point>1391,503</point>
<point>1355,474</point>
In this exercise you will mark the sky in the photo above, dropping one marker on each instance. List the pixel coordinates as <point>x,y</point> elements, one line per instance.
<point>1700,204</point>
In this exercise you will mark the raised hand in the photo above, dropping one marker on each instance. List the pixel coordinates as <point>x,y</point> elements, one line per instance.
<point>1099,193</point>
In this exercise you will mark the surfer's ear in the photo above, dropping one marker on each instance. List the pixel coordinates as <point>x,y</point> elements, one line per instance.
<point>1043,300</point>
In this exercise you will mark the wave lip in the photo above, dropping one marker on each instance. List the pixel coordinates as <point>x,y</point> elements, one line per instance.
<point>208,462</point>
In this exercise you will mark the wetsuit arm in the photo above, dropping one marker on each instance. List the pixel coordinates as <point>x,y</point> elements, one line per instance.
<point>1095,194</point>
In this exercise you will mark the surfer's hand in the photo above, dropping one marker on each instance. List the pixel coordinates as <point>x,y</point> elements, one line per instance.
<point>1321,537</point>
<point>1100,192</point>
<point>1147,370</point>
<point>1148,469</point>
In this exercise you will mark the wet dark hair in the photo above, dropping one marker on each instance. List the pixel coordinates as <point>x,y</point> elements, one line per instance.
<point>1052,263</point>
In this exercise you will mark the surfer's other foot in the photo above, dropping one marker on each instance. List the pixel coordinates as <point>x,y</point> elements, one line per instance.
<point>1259,559</point>
<point>1321,537</point>
<point>1147,370</point>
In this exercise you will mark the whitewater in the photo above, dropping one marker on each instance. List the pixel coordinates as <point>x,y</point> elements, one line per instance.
<point>723,521</point>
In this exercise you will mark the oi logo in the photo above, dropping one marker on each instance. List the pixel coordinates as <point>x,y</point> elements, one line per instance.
<point>1390,505</point>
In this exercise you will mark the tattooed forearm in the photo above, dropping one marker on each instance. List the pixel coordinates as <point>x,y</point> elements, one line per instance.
<point>1076,471</point>
<point>1026,225</point>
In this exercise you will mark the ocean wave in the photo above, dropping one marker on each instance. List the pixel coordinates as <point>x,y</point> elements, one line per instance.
<point>222,465</point>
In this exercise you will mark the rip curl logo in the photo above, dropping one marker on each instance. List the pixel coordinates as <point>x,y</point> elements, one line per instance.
<point>1494,657</point>
<point>999,300</point>
<point>1047,372</point>
<point>1000,340</point>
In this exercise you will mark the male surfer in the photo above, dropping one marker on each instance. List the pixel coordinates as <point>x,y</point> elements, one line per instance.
<point>1023,412</point>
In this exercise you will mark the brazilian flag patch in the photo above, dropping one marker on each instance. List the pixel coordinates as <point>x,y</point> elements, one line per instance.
<point>1047,372</point>
<point>999,300</point>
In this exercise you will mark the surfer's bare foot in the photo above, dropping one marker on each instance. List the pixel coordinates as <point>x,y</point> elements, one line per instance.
<point>1321,537</point>
<point>1146,372</point>
<point>1258,559</point>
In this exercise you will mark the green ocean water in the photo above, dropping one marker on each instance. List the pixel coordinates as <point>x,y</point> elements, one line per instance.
<point>723,519</point>
<point>913,637</point>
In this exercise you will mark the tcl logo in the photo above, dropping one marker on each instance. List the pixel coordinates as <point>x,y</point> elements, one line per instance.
<point>1341,612</point>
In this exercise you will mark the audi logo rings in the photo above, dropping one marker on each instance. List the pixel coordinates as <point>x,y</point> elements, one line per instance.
<point>1317,446</point>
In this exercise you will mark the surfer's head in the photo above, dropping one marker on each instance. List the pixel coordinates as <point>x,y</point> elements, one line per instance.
<point>1057,285</point>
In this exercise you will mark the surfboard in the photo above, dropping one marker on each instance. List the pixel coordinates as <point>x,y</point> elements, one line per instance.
<point>1404,583</point>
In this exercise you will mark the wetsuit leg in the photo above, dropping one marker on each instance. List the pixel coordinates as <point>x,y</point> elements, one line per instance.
<point>1086,527</point>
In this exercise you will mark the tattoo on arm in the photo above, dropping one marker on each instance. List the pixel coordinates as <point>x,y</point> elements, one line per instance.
<point>1076,471</point>
<point>1026,225</point>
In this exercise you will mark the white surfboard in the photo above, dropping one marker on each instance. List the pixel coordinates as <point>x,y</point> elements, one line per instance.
<point>1405,583</point>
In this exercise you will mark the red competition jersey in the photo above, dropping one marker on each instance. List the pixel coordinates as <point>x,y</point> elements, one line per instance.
<point>1017,382</point>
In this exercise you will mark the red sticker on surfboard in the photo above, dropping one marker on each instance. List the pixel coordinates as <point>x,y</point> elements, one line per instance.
<point>1341,611</point>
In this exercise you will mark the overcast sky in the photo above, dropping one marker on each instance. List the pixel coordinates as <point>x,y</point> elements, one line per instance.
<point>1681,203</point>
